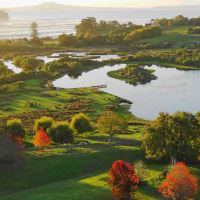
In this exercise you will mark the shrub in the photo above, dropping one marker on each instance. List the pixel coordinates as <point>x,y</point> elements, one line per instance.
<point>43,122</point>
<point>122,179</point>
<point>109,122</point>
<point>10,151</point>
<point>146,32</point>
<point>60,132</point>
<point>141,171</point>
<point>67,40</point>
<point>179,184</point>
<point>81,123</point>
<point>15,128</point>
<point>41,139</point>
<point>28,63</point>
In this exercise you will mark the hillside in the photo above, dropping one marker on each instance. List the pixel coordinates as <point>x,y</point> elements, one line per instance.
<point>44,7</point>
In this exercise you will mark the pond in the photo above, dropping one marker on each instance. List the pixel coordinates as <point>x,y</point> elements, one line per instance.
<point>57,56</point>
<point>12,67</point>
<point>174,90</point>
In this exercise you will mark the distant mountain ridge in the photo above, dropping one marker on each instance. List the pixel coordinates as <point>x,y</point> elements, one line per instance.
<point>51,6</point>
<point>43,7</point>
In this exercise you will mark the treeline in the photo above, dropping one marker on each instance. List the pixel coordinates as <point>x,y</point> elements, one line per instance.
<point>179,20</point>
<point>36,69</point>
<point>91,32</point>
<point>180,57</point>
<point>194,30</point>
<point>72,66</point>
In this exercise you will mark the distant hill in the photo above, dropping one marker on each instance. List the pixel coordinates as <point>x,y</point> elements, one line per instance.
<point>48,7</point>
<point>44,10</point>
<point>3,15</point>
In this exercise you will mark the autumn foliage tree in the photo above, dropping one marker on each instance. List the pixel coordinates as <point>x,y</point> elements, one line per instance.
<point>123,179</point>
<point>41,139</point>
<point>179,183</point>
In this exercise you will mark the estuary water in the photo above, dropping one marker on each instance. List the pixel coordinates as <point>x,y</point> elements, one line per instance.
<point>52,23</point>
<point>174,90</point>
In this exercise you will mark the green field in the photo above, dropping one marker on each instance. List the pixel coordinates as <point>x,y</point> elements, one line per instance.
<point>79,171</point>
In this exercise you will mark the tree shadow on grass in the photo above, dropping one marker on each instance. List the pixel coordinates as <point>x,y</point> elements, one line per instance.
<point>116,140</point>
<point>41,171</point>
<point>73,189</point>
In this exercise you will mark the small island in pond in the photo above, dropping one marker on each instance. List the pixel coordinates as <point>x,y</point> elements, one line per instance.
<point>134,74</point>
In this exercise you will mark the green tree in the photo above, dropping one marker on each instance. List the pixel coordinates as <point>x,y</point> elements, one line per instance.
<point>15,128</point>
<point>110,122</point>
<point>81,123</point>
<point>67,40</point>
<point>60,132</point>
<point>44,123</point>
<point>35,40</point>
<point>173,136</point>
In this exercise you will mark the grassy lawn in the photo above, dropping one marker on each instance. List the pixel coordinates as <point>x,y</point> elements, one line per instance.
<point>175,35</point>
<point>78,172</point>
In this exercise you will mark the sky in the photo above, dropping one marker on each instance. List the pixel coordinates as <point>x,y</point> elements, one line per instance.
<point>102,3</point>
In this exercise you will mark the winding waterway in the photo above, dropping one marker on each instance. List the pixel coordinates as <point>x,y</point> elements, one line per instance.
<point>174,90</point>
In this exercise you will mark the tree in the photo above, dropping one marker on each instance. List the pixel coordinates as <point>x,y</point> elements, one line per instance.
<point>87,25</point>
<point>44,123</point>
<point>60,132</point>
<point>110,123</point>
<point>179,184</point>
<point>67,40</point>
<point>81,123</point>
<point>10,150</point>
<point>173,136</point>
<point>14,128</point>
<point>34,34</point>
<point>122,179</point>
<point>41,139</point>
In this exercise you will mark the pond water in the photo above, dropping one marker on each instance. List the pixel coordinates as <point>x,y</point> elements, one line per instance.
<point>12,67</point>
<point>174,90</point>
<point>56,56</point>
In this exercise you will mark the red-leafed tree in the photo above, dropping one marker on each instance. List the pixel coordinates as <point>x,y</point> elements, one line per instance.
<point>122,179</point>
<point>41,139</point>
<point>179,183</point>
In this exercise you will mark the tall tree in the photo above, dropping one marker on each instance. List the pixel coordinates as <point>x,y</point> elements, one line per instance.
<point>173,136</point>
<point>34,34</point>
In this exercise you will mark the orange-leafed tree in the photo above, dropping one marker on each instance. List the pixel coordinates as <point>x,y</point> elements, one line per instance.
<point>123,179</point>
<point>41,139</point>
<point>179,183</point>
